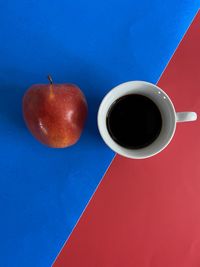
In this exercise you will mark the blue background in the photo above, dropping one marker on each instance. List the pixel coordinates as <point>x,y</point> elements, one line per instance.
<point>95,44</point>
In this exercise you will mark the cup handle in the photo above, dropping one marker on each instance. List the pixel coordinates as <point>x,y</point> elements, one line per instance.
<point>186,116</point>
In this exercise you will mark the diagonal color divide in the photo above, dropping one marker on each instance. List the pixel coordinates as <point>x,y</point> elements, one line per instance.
<point>147,212</point>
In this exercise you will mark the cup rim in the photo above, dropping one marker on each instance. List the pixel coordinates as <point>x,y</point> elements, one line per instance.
<point>108,140</point>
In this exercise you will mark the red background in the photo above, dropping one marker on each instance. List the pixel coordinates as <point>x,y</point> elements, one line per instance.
<point>147,212</point>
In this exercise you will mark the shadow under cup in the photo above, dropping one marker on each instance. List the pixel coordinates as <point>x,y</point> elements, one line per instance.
<point>162,101</point>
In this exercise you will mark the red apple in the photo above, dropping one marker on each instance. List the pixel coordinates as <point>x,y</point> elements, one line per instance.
<point>55,113</point>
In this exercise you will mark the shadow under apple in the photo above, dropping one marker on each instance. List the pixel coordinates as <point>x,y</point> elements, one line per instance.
<point>10,107</point>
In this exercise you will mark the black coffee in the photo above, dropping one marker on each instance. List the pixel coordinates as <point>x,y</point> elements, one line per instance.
<point>134,121</point>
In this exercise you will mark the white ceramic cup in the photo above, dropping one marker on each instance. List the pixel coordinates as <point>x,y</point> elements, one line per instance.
<point>169,117</point>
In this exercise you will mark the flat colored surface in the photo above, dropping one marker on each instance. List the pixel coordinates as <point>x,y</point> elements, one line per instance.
<point>146,213</point>
<point>96,44</point>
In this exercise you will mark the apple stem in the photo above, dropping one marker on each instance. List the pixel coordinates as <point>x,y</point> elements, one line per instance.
<point>50,79</point>
<point>51,94</point>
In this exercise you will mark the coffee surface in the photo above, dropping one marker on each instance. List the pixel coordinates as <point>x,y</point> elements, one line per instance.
<point>134,121</point>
